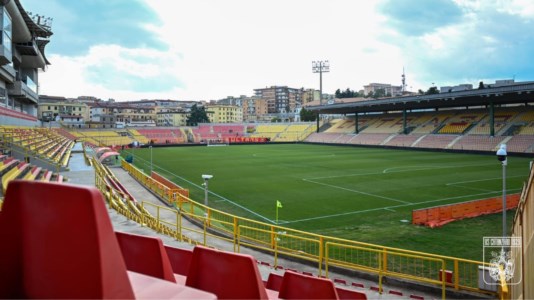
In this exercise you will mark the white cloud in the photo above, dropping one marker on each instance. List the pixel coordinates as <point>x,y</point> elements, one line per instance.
<point>231,47</point>
<point>110,71</point>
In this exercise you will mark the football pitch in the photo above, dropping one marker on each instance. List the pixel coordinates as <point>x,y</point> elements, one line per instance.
<point>364,194</point>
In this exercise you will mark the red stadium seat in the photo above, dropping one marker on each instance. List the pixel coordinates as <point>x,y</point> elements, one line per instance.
<point>350,294</point>
<point>58,242</point>
<point>180,260</point>
<point>274,281</point>
<point>227,275</point>
<point>298,286</point>
<point>145,255</point>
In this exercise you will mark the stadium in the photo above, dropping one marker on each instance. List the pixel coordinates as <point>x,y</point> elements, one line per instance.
<point>404,197</point>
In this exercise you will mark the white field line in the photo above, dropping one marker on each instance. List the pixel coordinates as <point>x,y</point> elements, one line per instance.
<point>355,191</point>
<point>479,180</point>
<point>460,183</point>
<point>410,168</point>
<point>390,170</point>
<point>154,166</point>
<point>391,207</point>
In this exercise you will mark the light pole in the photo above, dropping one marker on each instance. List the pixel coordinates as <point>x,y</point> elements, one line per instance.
<point>206,178</point>
<point>320,67</point>
<point>501,156</point>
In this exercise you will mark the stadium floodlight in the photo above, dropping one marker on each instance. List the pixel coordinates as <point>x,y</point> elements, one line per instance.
<point>320,67</point>
<point>502,157</point>
<point>206,178</point>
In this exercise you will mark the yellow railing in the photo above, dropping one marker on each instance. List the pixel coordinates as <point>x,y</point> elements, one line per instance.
<point>387,263</point>
<point>211,224</point>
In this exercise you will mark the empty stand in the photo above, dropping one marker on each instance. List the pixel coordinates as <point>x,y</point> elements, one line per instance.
<point>59,246</point>
<point>298,286</point>
<point>435,141</point>
<point>227,275</point>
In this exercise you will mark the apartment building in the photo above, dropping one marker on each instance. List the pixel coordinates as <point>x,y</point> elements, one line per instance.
<point>22,55</point>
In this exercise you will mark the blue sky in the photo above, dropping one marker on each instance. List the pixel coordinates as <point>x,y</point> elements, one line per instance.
<point>210,49</point>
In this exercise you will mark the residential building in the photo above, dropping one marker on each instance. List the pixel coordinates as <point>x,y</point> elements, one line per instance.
<point>280,99</point>
<point>224,113</point>
<point>22,47</point>
<point>172,118</point>
<point>389,90</point>
<point>50,108</point>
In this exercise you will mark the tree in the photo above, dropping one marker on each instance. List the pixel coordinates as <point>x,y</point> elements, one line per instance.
<point>348,93</point>
<point>481,85</point>
<point>431,91</point>
<point>307,115</point>
<point>197,115</point>
<point>420,92</point>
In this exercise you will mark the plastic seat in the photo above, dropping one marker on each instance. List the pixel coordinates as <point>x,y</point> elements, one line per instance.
<point>350,294</point>
<point>180,259</point>
<point>40,256</point>
<point>227,275</point>
<point>145,255</point>
<point>58,242</point>
<point>274,281</point>
<point>298,286</point>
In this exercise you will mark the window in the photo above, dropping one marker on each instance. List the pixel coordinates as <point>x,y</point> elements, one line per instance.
<point>6,30</point>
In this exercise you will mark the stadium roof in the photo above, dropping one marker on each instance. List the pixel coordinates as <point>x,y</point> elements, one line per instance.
<point>512,94</point>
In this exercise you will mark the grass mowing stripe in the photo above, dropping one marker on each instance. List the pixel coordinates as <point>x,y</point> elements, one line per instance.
<point>355,191</point>
<point>212,193</point>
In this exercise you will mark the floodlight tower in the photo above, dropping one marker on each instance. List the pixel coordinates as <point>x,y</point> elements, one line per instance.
<point>320,67</point>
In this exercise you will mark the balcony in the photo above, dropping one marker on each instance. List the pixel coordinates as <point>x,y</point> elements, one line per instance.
<point>24,90</point>
<point>31,55</point>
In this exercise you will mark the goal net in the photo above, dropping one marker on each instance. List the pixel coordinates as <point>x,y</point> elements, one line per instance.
<point>217,142</point>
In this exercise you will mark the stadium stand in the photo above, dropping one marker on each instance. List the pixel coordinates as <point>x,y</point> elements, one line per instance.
<point>270,131</point>
<point>435,141</point>
<point>434,123</point>
<point>402,140</point>
<point>295,132</point>
<point>478,143</point>
<point>323,137</point>
<point>342,126</point>
<point>369,139</point>
<point>163,135</point>
<point>385,124</point>
<point>460,122</point>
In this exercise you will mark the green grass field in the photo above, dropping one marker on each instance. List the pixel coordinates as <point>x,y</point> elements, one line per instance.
<point>364,194</point>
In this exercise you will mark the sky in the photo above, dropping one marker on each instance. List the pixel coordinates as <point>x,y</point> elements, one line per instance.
<point>211,49</point>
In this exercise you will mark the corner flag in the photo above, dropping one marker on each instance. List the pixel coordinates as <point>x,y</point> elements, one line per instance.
<point>278,205</point>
